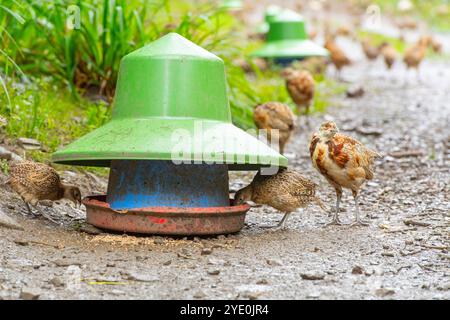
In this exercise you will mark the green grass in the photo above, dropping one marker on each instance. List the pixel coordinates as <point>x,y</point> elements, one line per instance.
<point>49,115</point>
<point>378,38</point>
<point>109,29</point>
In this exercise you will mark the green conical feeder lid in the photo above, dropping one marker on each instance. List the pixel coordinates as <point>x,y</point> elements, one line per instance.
<point>287,38</point>
<point>269,15</point>
<point>171,104</point>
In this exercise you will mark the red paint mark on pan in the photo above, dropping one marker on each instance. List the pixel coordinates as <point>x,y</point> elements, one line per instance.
<point>157,220</point>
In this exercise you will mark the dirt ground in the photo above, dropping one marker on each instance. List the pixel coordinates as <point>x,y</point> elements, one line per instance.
<point>403,254</point>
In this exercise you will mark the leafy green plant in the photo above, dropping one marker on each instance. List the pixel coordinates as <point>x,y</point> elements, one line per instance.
<point>51,116</point>
<point>9,47</point>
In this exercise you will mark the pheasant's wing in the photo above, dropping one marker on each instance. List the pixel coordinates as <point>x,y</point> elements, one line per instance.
<point>37,177</point>
<point>339,55</point>
<point>294,88</point>
<point>368,160</point>
<point>302,187</point>
<point>274,116</point>
<point>283,119</point>
<point>353,154</point>
<point>313,143</point>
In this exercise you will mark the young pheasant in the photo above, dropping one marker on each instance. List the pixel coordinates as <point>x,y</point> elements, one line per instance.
<point>278,119</point>
<point>343,161</point>
<point>389,54</point>
<point>300,86</point>
<point>371,52</point>
<point>415,54</point>
<point>315,65</point>
<point>37,181</point>
<point>285,191</point>
<point>337,55</point>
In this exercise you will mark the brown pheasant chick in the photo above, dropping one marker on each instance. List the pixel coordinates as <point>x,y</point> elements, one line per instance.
<point>285,191</point>
<point>389,54</point>
<point>371,52</point>
<point>315,65</point>
<point>415,54</point>
<point>343,161</point>
<point>249,66</point>
<point>337,55</point>
<point>278,119</point>
<point>300,86</point>
<point>436,46</point>
<point>37,181</point>
<point>344,31</point>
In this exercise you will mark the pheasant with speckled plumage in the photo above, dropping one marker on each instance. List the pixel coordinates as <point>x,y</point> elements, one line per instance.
<point>343,161</point>
<point>300,86</point>
<point>337,55</point>
<point>278,119</point>
<point>35,181</point>
<point>285,191</point>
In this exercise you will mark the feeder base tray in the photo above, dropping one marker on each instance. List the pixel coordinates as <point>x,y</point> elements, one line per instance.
<point>165,220</point>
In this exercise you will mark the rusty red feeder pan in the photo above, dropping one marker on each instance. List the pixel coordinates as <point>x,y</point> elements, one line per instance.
<point>165,220</point>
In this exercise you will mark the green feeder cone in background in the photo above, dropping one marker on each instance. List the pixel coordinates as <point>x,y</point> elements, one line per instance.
<point>287,38</point>
<point>269,15</point>
<point>171,104</point>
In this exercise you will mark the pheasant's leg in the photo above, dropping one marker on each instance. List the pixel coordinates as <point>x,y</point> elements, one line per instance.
<point>358,220</point>
<point>29,209</point>
<point>282,223</point>
<point>307,107</point>
<point>405,78</point>
<point>336,219</point>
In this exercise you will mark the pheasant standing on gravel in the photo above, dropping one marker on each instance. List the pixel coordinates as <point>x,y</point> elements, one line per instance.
<point>300,86</point>
<point>337,55</point>
<point>343,161</point>
<point>278,119</point>
<point>371,52</point>
<point>37,181</point>
<point>285,191</point>
<point>389,54</point>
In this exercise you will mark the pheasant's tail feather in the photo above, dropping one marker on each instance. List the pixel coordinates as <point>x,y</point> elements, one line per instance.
<point>320,204</point>
<point>375,154</point>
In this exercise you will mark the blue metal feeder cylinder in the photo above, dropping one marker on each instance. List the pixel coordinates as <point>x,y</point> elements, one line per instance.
<point>284,62</point>
<point>157,183</point>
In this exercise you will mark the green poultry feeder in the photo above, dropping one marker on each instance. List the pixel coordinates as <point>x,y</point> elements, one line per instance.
<point>287,40</point>
<point>169,146</point>
<point>269,16</point>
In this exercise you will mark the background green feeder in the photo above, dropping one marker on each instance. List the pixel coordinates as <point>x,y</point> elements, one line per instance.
<point>170,144</point>
<point>287,40</point>
<point>269,15</point>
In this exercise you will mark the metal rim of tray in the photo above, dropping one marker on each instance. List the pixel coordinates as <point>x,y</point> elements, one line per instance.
<point>165,220</point>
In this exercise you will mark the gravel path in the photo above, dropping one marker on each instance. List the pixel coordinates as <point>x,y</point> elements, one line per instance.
<point>403,254</point>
